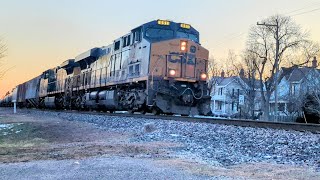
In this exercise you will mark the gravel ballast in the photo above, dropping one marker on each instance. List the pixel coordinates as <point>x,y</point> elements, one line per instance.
<point>219,145</point>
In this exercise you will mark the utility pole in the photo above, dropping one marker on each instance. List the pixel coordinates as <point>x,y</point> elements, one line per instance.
<point>276,64</point>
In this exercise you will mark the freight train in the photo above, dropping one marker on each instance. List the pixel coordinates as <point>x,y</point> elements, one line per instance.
<point>158,67</point>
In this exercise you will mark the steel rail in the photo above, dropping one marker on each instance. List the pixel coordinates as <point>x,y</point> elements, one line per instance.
<point>314,128</point>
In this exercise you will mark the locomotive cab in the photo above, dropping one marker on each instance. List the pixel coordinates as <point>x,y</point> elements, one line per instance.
<point>177,69</point>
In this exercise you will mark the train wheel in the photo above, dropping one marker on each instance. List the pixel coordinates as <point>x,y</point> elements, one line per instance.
<point>78,102</point>
<point>130,111</point>
<point>155,111</point>
<point>143,111</point>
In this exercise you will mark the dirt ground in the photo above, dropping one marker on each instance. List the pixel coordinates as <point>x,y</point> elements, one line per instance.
<point>31,138</point>
<point>27,138</point>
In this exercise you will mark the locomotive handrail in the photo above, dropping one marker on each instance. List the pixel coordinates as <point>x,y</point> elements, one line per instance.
<point>193,93</point>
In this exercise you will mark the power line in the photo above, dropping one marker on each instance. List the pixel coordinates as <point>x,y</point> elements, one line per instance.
<point>300,9</point>
<point>313,10</point>
<point>224,40</point>
<point>230,38</point>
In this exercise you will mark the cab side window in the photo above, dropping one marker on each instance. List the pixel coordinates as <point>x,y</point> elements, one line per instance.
<point>136,35</point>
<point>117,45</point>
<point>126,41</point>
<point>129,40</point>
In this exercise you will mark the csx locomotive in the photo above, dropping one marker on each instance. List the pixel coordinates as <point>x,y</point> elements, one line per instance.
<point>158,67</point>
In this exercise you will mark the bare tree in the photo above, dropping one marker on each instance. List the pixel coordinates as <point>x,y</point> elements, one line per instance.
<point>214,72</point>
<point>251,79</point>
<point>213,69</point>
<point>217,68</point>
<point>3,49</point>
<point>308,50</point>
<point>310,102</point>
<point>312,106</point>
<point>307,100</point>
<point>269,45</point>
<point>232,66</point>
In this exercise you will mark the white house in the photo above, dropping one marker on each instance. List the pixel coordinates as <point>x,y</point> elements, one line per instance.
<point>234,96</point>
<point>295,83</point>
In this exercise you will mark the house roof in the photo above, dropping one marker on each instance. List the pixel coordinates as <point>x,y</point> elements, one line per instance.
<point>286,72</point>
<point>255,83</point>
<point>298,74</point>
<point>216,79</point>
<point>225,81</point>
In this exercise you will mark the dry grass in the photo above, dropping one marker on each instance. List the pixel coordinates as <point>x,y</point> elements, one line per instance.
<point>37,139</point>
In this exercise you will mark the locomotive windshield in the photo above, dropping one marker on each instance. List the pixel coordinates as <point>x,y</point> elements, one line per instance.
<point>159,34</point>
<point>166,30</point>
<point>182,34</point>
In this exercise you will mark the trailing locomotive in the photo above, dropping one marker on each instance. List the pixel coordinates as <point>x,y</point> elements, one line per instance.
<point>158,67</point>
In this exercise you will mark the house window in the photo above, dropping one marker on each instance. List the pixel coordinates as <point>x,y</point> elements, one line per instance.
<point>294,89</point>
<point>137,69</point>
<point>281,106</point>
<point>220,91</point>
<point>238,92</point>
<point>219,105</point>
<point>232,105</point>
<point>130,70</point>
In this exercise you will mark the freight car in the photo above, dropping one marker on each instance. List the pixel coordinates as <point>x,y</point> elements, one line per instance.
<point>158,67</point>
<point>6,101</point>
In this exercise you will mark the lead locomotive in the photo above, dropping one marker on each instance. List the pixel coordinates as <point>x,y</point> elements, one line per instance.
<point>158,67</point>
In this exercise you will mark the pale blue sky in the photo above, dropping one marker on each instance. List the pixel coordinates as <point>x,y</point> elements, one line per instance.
<point>41,34</point>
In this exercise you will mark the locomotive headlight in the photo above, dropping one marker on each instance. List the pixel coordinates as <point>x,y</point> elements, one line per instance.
<point>163,22</point>
<point>185,26</point>
<point>172,72</point>
<point>203,76</point>
<point>183,45</point>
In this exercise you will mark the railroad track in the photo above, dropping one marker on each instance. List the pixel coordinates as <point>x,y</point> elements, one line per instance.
<point>314,128</point>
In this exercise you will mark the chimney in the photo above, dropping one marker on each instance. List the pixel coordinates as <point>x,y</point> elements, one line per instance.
<point>241,74</point>
<point>222,74</point>
<point>314,62</point>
